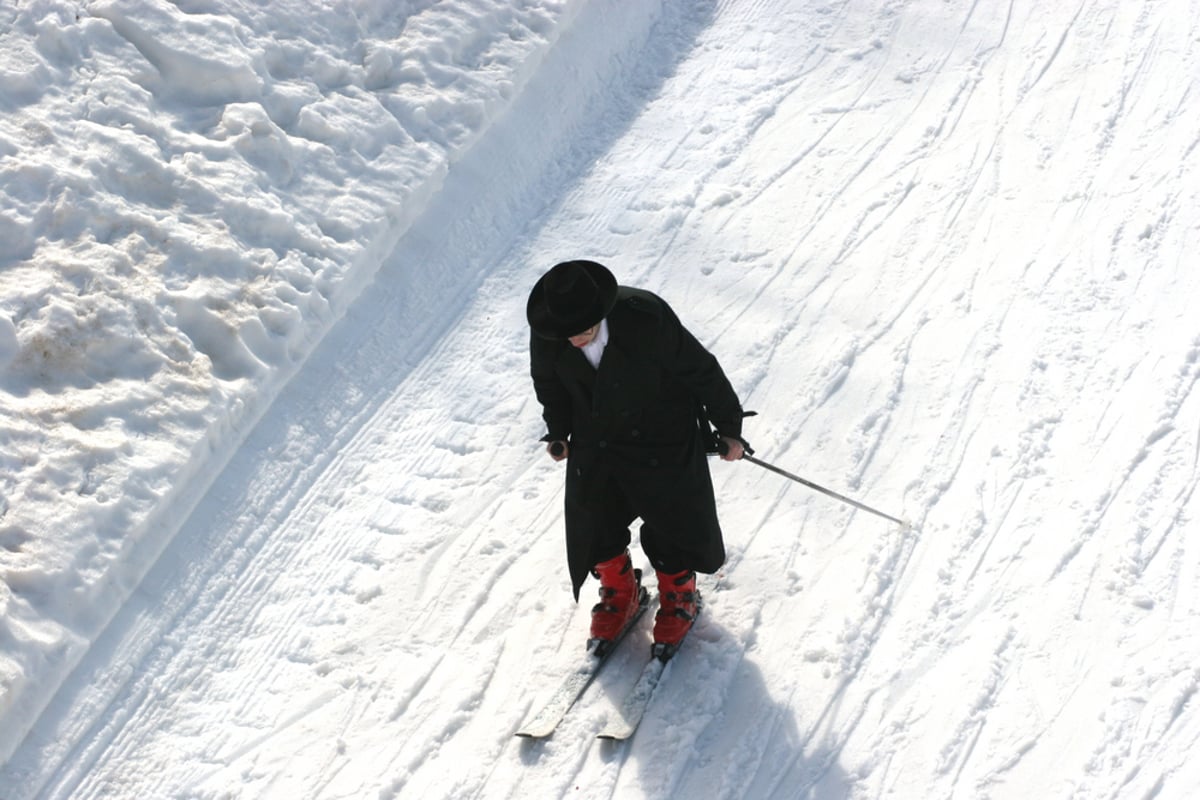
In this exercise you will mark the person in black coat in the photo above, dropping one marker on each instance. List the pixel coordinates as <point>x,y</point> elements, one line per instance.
<point>627,394</point>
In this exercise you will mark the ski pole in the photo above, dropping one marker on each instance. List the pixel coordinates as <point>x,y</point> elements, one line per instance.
<point>902,523</point>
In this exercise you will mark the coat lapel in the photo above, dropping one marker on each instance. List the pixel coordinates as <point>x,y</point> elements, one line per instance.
<point>575,367</point>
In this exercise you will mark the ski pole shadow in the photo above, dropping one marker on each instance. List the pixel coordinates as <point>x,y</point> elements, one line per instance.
<point>715,731</point>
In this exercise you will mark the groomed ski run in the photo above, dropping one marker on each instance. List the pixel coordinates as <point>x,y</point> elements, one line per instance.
<point>274,520</point>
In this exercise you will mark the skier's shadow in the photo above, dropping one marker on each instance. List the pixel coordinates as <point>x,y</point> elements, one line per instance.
<point>714,730</point>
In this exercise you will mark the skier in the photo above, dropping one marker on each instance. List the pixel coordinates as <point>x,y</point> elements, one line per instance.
<point>627,394</point>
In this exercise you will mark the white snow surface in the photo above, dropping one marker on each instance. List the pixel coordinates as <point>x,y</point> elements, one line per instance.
<point>274,519</point>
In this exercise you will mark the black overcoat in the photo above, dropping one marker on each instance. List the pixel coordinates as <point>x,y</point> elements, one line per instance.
<point>632,428</point>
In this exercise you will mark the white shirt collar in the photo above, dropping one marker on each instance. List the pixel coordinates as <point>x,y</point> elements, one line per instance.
<point>595,348</point>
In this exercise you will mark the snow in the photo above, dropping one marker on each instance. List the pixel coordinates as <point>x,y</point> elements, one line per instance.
<point>274,521</point>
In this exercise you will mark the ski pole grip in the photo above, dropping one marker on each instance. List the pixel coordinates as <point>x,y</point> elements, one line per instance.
<point>557,449</point>
<point>723,447</point>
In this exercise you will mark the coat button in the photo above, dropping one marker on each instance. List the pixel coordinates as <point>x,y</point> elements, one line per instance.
<point>603,444</point>
<point>654,462</point>
<point>635,433</point>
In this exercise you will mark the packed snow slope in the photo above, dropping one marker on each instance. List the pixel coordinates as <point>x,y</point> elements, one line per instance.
<point>190,195</point>
<point>275,522</point>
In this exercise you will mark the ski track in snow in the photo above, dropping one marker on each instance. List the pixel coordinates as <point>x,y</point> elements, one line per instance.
<point>938,254</point>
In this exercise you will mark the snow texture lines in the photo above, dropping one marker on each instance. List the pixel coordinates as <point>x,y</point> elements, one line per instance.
<point>963,740</point>
<point>943,248</point>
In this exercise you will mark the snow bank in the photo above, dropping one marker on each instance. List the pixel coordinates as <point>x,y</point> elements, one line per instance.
<point>190,195</point>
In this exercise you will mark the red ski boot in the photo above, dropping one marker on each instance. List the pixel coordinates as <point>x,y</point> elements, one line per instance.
<point>620,593</point>
<point>679,603</point>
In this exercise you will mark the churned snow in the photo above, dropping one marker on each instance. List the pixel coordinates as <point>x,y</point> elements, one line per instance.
<point>274,521</point>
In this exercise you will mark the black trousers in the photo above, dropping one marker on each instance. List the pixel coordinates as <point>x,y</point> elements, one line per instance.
<point>603,497</point>
<point>612,517</point>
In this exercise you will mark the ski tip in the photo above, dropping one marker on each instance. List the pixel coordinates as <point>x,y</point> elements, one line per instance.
<point>536,730</point>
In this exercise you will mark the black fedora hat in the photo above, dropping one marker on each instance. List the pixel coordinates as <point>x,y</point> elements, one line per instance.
<point>570,298</point>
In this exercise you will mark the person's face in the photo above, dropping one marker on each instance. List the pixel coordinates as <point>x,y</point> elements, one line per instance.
<point>585,338</point>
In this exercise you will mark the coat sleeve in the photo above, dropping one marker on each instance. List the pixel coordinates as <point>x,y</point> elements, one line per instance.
<point>554,397</point>
<point>684,358</point>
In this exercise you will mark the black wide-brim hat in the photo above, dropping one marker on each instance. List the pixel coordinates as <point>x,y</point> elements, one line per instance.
<point>570,298</point>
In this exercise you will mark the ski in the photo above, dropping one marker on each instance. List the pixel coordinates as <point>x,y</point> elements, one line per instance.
<point>546,719</point>
<point>634,706</point>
